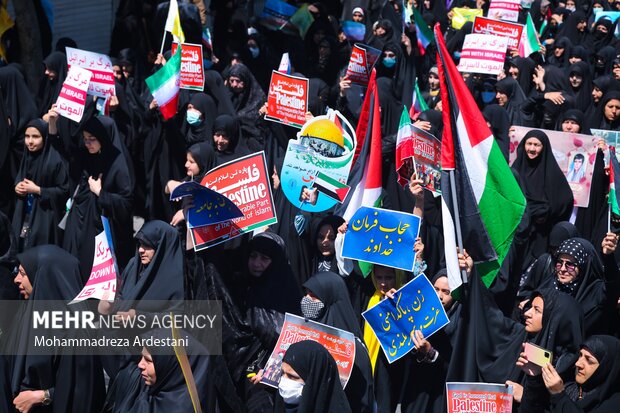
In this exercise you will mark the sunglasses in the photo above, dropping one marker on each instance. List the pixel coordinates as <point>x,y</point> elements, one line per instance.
<point>569,265</point>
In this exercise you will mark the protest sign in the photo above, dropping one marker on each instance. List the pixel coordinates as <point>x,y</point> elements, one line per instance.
<point>383,237</point>
<point>276,14</point>
<point>339,343</point>
<point>463,15</point>
<point>415,306</point>
<point>610,15</point>
<point>479,397</point>
<point>363,59</point>
<point>209,207</point>
<point>102,82</point>
<point>101,283</point>
<point>421,153</point>
<point>245,181</point>
<point>285,64</point>
<point>512,31</point>
<point>483,53</point>
<point>354,31</point>
<point>317,164</point>
<point>72,96</point>
<point>192,69</point>
<point>287,101</point>
<point>504,10</point>
<point>575,154</point>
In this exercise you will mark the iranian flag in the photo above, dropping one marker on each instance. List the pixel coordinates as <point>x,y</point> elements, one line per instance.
<point>164,85</point>
<point>482,200</point>
<point>529,39</point>
<point>614,192</point>
<point>404,149</point>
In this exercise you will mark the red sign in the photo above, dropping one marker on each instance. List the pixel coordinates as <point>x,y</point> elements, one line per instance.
<point>479,397</point>
<point>192,69</point>
<point>363,59</point>
<point>72,96</point>
<point>499,28</point>
<point>245,182</point>
<point>287,101</point>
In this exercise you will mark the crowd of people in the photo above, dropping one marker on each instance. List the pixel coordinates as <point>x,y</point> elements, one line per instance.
<point>558,288</point>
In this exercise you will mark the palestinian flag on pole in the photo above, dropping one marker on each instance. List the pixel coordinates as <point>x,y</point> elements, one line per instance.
<point>331,187</point>
<point>404,149</point>
<point>482,204</point>
<point>614,191</point>
<point>164,85</point>
<point>365,174</point>
<point>529,39</point>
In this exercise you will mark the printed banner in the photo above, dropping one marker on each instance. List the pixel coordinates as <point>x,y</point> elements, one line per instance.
<point>72,96</point>
<point>287,101</point>
<point>383,237</point>
<point>512,31</point>
<point>463,15</point>
<point>245,181</point>
<point>504,10</point>
<point>101,283</point>
<point>209,207</point>
<point>415,306</point>
<point>363,59</point>
<point>102,82</point>
<point>317,165</point>
<point>339,343</point>
<point>611,138</point>
<point>483,53</point>
<point>192,70</point>
<point>575,154</point>
<point>479,397</point>
<point>423,158</point>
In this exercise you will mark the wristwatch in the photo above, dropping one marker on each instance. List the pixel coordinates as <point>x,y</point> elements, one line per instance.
<point>47,400</point>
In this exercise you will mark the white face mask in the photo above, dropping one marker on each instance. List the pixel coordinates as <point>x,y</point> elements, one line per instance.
<point>290,390</point>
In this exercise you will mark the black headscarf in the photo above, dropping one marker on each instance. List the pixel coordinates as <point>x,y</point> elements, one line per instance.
<point>604,60</point>
<point>50,89</point>
<point>526,68</point>
<point>203,131</point>
<point>214,86</point>
<point>318,260</point>
<point>497,117</point>
<point>597,40</point>
<point>569,28</point>
<point>379,41</point>
<point>562,61</point>
<point>204,155</point>
<point>48,170</point>
<point>322,392</point>
<point>230,126</point>
<point>249,101</point>
<point>583,95</point>
<point>577,116</point>
<point>600,121</point>
<point>516,98</point>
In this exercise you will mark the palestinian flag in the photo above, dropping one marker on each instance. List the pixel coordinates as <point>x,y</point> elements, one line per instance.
<point>529,39</point>
<point>418,104</point>
<point>404,149</point>
<point>614,192</point>
<point>164,85</point>
<point>366,173</point>
<point>331,187</point>
<point>423,33</point>
<point>487,204</point>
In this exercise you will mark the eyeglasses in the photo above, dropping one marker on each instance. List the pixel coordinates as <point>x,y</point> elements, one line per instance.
<point>569,265</point>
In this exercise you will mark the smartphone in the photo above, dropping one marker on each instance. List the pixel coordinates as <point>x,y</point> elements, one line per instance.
<point>537,357</point>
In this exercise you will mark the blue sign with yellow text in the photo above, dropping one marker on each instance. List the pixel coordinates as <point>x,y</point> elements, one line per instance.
<point>415,306</point>
<point>383,237</point>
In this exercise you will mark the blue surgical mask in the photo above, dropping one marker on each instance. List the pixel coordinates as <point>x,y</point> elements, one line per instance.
<point>389,62</point>
<point>254,51</point>
<point>193,117</point>
<point>488,97</point>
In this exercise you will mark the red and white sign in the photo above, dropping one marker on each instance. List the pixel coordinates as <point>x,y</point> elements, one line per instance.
<point>504,10</point>
<point>102,83</point>
<point>479,397</point>
<point>483,53</point>
<point>512,31</point>
<point>244,181</point>
<point>363,59</point>
<point>192,69</point>
<point>287,101</point>
<point>72,97</point>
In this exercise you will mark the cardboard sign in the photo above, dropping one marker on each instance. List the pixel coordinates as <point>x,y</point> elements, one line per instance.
<point>102,82</point>
<point>483,53</point>
<point>363,59</point>
<point>313,177</point>
<point>566,148</point>
<point>383,237</point>
<point>512,31</point>
<point>415,306</point>
<point>102,279</point>
<point>339,343</point>
<point>72,96</point>
<point>192,70</point>
<point>209,207</point>
<point>421,153</point>
<point>245,181</point>
<point>287,101</point>
<point>479,397</point>
<point>504,10</point>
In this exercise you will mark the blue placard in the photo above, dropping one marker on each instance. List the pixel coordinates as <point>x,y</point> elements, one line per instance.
<point>354,31</point>
<point>210,207</point>
<point>415,306</point>
<point>383,237</point>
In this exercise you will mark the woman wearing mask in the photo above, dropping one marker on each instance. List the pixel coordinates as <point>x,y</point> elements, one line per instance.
<point>199,116</point>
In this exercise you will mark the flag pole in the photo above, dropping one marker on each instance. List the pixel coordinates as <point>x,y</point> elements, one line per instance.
<point>457,221</point>
<point>163,40</point>
<point>609,217</point>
